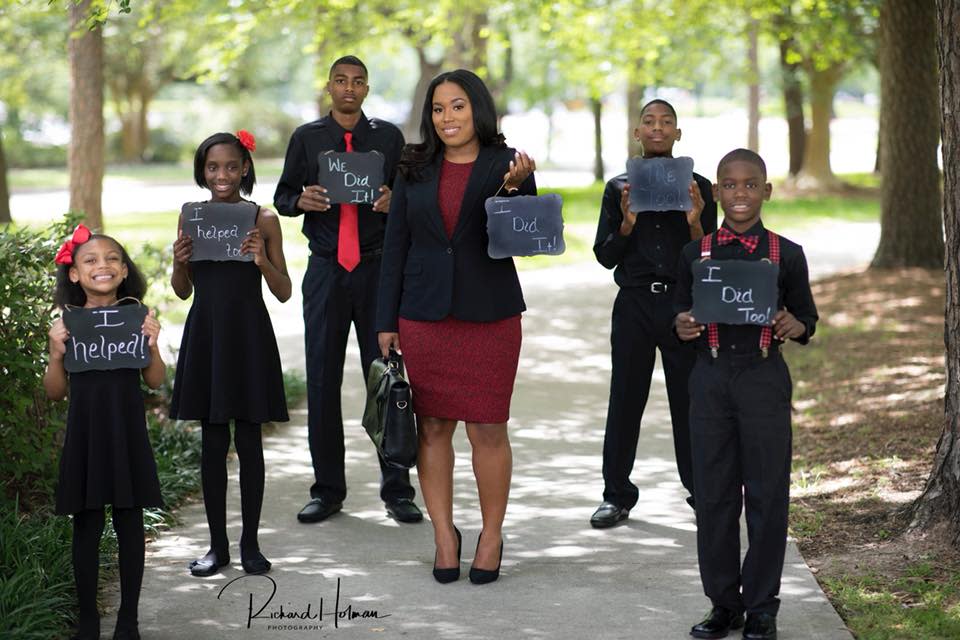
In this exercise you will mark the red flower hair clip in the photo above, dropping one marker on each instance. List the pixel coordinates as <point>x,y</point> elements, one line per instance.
<point>80,235</point>
<point>247,140</point>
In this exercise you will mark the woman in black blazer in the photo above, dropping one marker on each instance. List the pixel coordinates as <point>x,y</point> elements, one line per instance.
<point>455,309</point>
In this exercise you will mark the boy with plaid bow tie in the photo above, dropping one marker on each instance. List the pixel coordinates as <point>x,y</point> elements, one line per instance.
<point>740,393</point>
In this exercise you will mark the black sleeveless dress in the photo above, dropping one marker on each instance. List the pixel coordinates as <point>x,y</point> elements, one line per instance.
<point>228,367</point>
<point>106,458</point>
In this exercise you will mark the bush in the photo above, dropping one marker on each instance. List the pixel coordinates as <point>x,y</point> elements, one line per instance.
<point>30,425</point>
<point>25,155</point>
<point>36,575</point>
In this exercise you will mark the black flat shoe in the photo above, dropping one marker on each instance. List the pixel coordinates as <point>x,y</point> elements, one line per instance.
<point>718,623</point>
<point>404,510</point>
<point>486,576</point>
<point>255,564</point>
<point>317,510</point>
<point>607,515</point>
<point>760,626</point>
<point>444,576</point>
<point>209,564</point>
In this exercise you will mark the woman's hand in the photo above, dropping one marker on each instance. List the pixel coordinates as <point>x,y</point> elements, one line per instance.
<point>520,169</point>
<point>58,339</point>
<point>388,339</point>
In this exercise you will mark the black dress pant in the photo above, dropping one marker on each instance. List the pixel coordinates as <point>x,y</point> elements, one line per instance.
<point>333,298</point>
<point>642,323</point>
<point>741,442</point>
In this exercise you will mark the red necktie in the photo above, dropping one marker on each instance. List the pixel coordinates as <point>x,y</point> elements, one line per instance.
<point>348,238</point>
<point>725,236</point>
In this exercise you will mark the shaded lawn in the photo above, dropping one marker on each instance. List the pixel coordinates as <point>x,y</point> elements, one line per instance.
<point>868,397</point>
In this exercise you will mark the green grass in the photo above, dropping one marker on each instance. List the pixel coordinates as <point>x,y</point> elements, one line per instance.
<point>182,173</point>
<point>912,607</point>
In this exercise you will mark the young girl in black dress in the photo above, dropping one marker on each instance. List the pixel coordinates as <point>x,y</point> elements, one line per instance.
<point>106,456</point>
<point>229,366</point>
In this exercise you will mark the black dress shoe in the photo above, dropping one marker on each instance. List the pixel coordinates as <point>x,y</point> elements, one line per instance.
<point>717,624</point>
<point>486,576</point>
<point>404,510</point>
<point>452,574</point>
<point>317,510</point>
<point>209,564</point>
<point>255,563</point>
<point>127,633</point>
<point>760,626</point>
<point>607,515</point>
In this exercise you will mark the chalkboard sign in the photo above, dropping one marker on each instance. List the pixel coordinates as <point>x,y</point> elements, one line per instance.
<point>660,184</point>
<point>218,229</point>
<point>354,177</point>
<point>525,226</point>
<point>106,338</point>
<point>735,291</point>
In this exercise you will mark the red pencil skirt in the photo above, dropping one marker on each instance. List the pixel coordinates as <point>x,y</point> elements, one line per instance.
<point>461,370</point>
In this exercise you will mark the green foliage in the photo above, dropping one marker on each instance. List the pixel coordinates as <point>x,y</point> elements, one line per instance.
<point>28,155</point>
<point>36,575</point>
<point>29,423</point>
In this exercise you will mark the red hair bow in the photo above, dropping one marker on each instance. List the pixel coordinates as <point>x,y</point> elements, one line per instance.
<point>247,140</point>
<point>80,235</point>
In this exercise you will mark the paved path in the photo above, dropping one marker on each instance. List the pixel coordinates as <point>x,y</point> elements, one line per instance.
<point>560,579</point>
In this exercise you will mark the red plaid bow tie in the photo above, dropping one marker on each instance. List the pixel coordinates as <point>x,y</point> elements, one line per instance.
<point>725,236</point>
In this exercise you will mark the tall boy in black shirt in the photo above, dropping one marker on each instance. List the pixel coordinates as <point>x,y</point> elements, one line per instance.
<point>740,392</point>
<point>644,248</point>
<point>340,285</point>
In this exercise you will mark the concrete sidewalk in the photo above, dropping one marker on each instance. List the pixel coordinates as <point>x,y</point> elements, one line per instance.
<point>370,577</point>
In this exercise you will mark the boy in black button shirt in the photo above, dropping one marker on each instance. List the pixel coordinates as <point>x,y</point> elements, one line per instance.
<point>740,393</point>
<point>644,248</point>
<point>340,284</point>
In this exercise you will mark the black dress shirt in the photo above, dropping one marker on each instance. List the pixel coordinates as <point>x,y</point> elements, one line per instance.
<point>793,284</point>
<point>300,169</point>
<point>650,252</point>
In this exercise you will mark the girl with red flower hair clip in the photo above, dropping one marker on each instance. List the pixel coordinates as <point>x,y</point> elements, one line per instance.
<point>228,366</point>
<point>106,457</point>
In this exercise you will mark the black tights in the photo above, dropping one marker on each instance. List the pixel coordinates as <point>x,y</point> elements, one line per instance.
<point>213,469</point>
<point>87,529</point>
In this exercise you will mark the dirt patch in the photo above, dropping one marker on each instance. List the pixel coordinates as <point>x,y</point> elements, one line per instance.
<point>869,411</point>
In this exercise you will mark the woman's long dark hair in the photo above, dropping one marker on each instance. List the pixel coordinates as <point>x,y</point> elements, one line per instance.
<point>416,157</point>
<point>67,292</point>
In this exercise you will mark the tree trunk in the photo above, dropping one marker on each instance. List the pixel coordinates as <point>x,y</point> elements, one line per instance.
<point>753,74</point>
<point>428,70</point>
<point>596,106</point>
<point>635,92</point>
<point>85,154</point>
<point>911,232</point>
<point>793,108</point>
<point>4,188</point>
<point>816,172</point>
<point>940,501</point>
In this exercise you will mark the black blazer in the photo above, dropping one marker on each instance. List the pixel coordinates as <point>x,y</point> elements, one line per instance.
<point>427,276</point>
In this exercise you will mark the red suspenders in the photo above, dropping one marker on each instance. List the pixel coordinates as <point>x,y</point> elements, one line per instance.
<point>766,332</point>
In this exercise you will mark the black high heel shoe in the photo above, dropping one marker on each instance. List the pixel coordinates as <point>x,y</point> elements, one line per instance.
<point>444,576</point>
<point>486,576</point>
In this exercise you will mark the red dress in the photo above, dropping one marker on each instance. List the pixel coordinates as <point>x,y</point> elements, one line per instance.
<point>460,370</point>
